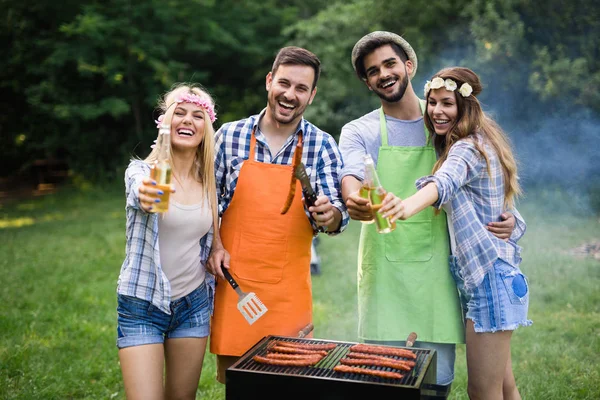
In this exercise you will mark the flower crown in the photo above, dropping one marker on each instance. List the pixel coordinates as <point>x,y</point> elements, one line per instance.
<point>465,89</point>
<point>194,99</point>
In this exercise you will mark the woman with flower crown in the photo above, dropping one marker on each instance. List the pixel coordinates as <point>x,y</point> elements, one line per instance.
<point>474,180</point>
<point>165,296</point>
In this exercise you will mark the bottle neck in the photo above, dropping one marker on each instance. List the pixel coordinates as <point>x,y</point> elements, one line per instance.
<point>165,146</point>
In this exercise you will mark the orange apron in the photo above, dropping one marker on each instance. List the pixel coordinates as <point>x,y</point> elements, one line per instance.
<point>270,256</point>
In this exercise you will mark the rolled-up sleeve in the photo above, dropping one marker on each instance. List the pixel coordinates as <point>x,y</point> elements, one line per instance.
<point>329,169</point>
<point>520,226</point>
<point>464,163</point>
<point>353,149</point>
<point>136,172</point>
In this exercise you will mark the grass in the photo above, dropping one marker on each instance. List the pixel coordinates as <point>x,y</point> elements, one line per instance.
<point>60,257</point>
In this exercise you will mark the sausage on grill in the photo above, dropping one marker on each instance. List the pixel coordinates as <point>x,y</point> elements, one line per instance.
<point>287,363</point>
<point>365,356</point>
<point>356,370</point>
<point>382,350</point>
<point>307,346</point>
<point>292,350</point>
<point>282,356</point>
<point>376,363</point>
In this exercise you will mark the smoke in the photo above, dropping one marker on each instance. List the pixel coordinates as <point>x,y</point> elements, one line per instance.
<point>556,142</point>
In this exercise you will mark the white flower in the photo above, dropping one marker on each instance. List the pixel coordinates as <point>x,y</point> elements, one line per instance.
<point>465,90</point>
<point>427,87</point>
<point>437,83</point>
<point>450,85</point>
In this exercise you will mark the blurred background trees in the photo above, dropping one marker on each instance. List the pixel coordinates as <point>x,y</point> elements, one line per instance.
<point>80,79</point>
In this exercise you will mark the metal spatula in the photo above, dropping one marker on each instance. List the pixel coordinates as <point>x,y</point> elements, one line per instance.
<point>249,304</point>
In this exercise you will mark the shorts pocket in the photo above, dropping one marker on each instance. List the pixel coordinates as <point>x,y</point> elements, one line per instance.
<point>409,242</point>
<point>132,308</point>
<point>259,259</point>
<point>516,285</point>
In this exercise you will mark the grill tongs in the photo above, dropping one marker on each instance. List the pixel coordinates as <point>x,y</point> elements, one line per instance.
<point>310,196</point>
<point>249,304</point>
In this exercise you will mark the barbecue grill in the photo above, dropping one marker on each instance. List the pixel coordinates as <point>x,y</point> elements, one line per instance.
<point>248,379</point>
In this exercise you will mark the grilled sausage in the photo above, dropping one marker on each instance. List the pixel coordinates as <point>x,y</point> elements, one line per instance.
<point>295,161</point>
<point>292,350</point>
<point>365,356</point>
<point>376,363</point>
<point>383,350</point>
<point>363,371</point>
<point>307,346</point>
<point>286,363</point>
<point>282,356</point>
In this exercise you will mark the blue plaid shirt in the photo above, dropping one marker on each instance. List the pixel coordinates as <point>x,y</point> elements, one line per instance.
<point>475,198</point>
<point>141,274</point>
<point>320,156</point>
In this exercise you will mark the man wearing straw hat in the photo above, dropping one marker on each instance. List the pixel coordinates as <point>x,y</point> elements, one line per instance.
<point>404,281</point>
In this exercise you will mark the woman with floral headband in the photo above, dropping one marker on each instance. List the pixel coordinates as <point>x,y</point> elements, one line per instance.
<point>474,180</point>
<point>164,293</point>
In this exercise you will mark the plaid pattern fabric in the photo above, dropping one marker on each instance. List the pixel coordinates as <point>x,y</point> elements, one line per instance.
<point>141,274</point>
<point>476,198</point>
<point>320,156</point>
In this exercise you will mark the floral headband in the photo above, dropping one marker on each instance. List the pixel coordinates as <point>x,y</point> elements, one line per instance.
<point>194,99</point>
<point>437,83</point>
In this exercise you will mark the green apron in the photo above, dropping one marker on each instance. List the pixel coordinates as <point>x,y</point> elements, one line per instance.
<point>404,281</point>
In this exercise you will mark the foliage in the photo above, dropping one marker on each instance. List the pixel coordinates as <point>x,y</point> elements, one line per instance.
<point>81,78</point>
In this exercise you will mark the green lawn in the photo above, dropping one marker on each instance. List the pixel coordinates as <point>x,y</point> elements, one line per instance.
<point>60,258</point>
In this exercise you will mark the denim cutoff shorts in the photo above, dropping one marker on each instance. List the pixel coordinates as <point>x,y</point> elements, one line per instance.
<point>139,322</point>
<point>499,303</point>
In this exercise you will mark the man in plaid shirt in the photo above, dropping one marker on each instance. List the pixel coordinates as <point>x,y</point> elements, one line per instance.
<point>266,229</point>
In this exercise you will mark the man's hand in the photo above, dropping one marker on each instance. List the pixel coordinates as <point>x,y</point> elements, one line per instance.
<point>219,257</point>
<point>325,214</point>
<point>503,229</point>
<point>359,208</point>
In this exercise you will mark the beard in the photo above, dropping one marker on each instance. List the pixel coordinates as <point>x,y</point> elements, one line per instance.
<point>289,118</point>
<point>397,96</point>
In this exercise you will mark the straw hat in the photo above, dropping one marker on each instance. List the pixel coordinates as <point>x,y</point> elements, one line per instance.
<point>383,37</point>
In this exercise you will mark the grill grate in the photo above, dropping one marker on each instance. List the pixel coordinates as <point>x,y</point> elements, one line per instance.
<point>324,368</point>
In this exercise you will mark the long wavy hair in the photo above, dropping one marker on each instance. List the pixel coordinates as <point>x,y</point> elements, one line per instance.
<point>471,120</point>
<point>203,167</point>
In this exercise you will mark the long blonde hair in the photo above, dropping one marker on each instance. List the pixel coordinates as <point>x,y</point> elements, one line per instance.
<point>472,120</point>
<point>203,167</point>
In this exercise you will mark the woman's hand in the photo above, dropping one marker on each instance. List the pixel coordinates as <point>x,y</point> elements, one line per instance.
<point>149,194</point>
<point>392,207</point>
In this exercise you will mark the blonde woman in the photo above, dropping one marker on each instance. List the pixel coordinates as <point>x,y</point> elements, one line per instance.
<point>165,296</point>
<point>475,180</point>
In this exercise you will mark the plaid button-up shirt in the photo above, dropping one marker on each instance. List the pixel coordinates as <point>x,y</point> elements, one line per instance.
<point>320,156</point>
<point>141,273</point>
<point>476,198</point>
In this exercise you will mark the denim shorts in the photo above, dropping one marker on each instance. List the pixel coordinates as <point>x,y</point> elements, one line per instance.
<point>139,322</point>
<point>446,355</point>
<point>500,302</point>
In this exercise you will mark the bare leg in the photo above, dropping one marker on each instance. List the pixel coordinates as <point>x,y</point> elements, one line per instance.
<point>142,368</point>
<point>184,357</point>
<point>509,386</point>
<point>487,360</point>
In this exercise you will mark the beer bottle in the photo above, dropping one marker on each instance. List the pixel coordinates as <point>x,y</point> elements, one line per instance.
<point>376,195</point>
<point>161,170</point>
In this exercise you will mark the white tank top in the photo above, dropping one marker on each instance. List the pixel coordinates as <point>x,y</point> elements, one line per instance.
<point>179,232</point>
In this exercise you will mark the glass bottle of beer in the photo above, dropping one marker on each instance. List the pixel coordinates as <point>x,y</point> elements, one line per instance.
<point>161,170</point>
<point>376,195</point>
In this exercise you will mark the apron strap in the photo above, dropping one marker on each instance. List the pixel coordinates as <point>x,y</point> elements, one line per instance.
<point>252,144</point>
